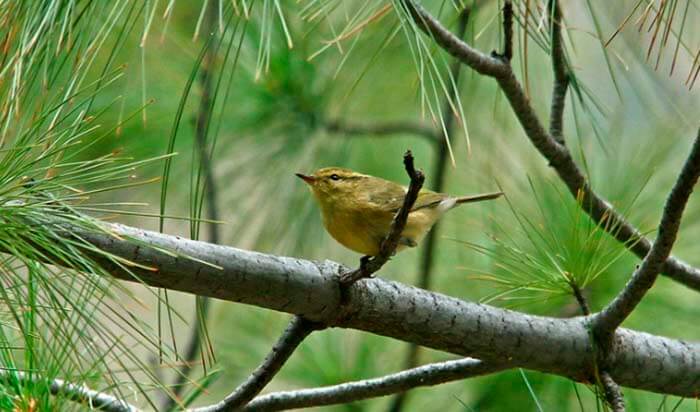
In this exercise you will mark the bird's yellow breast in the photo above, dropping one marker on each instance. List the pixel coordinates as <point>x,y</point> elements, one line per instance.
<point>363,229</point>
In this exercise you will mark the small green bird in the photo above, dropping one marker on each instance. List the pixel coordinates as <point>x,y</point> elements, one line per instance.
<point>358,209</point>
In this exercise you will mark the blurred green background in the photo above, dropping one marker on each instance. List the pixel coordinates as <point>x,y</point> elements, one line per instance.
<point>630,131</point>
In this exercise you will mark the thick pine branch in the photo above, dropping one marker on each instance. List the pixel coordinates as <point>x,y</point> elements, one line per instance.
<point>311,289</point>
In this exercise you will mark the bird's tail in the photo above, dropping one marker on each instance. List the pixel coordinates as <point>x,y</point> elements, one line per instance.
<point>478,198</point>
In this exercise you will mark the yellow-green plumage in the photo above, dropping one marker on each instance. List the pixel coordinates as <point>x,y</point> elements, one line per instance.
<point>358,209</point>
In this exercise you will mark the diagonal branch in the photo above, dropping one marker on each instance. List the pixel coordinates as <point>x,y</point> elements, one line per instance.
<point>428,375</point>
<point>383,129</point>
<point>561,76</point>
<point>644,277</point>
<point>370,265</point>
<point>558,155</point>
<point>610,318</point>
<point>297,330</point>
<point>482,63</point>
<point>595,206</point>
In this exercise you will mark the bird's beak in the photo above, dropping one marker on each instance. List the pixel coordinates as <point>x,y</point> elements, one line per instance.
<point>308,179</point>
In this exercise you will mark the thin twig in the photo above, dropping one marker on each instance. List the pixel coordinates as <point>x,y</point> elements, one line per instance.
<point>646,273</point>
<point>297,330</point>
<point>370,265</point>
<point>382,129</point>
<point>76,393</point>
<point>192,349</point>
<point>580,299</point>
<point>612,391</point>
<point>507,32</point>
<point>428,375</point>
<point>558,155</point>
<point>613,394</point>
<point>561,76</point>
<point>437,185</point>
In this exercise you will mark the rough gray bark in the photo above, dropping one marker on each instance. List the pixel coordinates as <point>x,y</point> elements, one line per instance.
<point>311,289</point>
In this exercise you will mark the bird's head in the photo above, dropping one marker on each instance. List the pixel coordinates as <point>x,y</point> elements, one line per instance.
<point>332,184</point>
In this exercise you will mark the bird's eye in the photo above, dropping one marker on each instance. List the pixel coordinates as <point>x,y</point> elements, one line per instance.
<point>335,177</point>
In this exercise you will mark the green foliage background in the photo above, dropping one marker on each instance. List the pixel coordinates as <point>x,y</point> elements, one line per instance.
<point>631,130</point>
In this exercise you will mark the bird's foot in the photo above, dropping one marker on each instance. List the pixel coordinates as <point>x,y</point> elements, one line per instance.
<point>357,274</point>
<point>408,242</point>
<point>364,261</point>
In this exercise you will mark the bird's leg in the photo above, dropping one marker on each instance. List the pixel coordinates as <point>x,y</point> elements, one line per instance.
<point>359,273</point>
<point>364,261</point>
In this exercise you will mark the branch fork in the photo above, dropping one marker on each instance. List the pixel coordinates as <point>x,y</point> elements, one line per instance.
<point>549,144</point>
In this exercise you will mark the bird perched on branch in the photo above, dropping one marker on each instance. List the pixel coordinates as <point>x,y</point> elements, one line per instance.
<point>358,209</point>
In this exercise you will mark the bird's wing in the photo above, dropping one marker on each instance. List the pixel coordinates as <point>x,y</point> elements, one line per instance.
<point>391,198</point>
<point>428,198</point>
